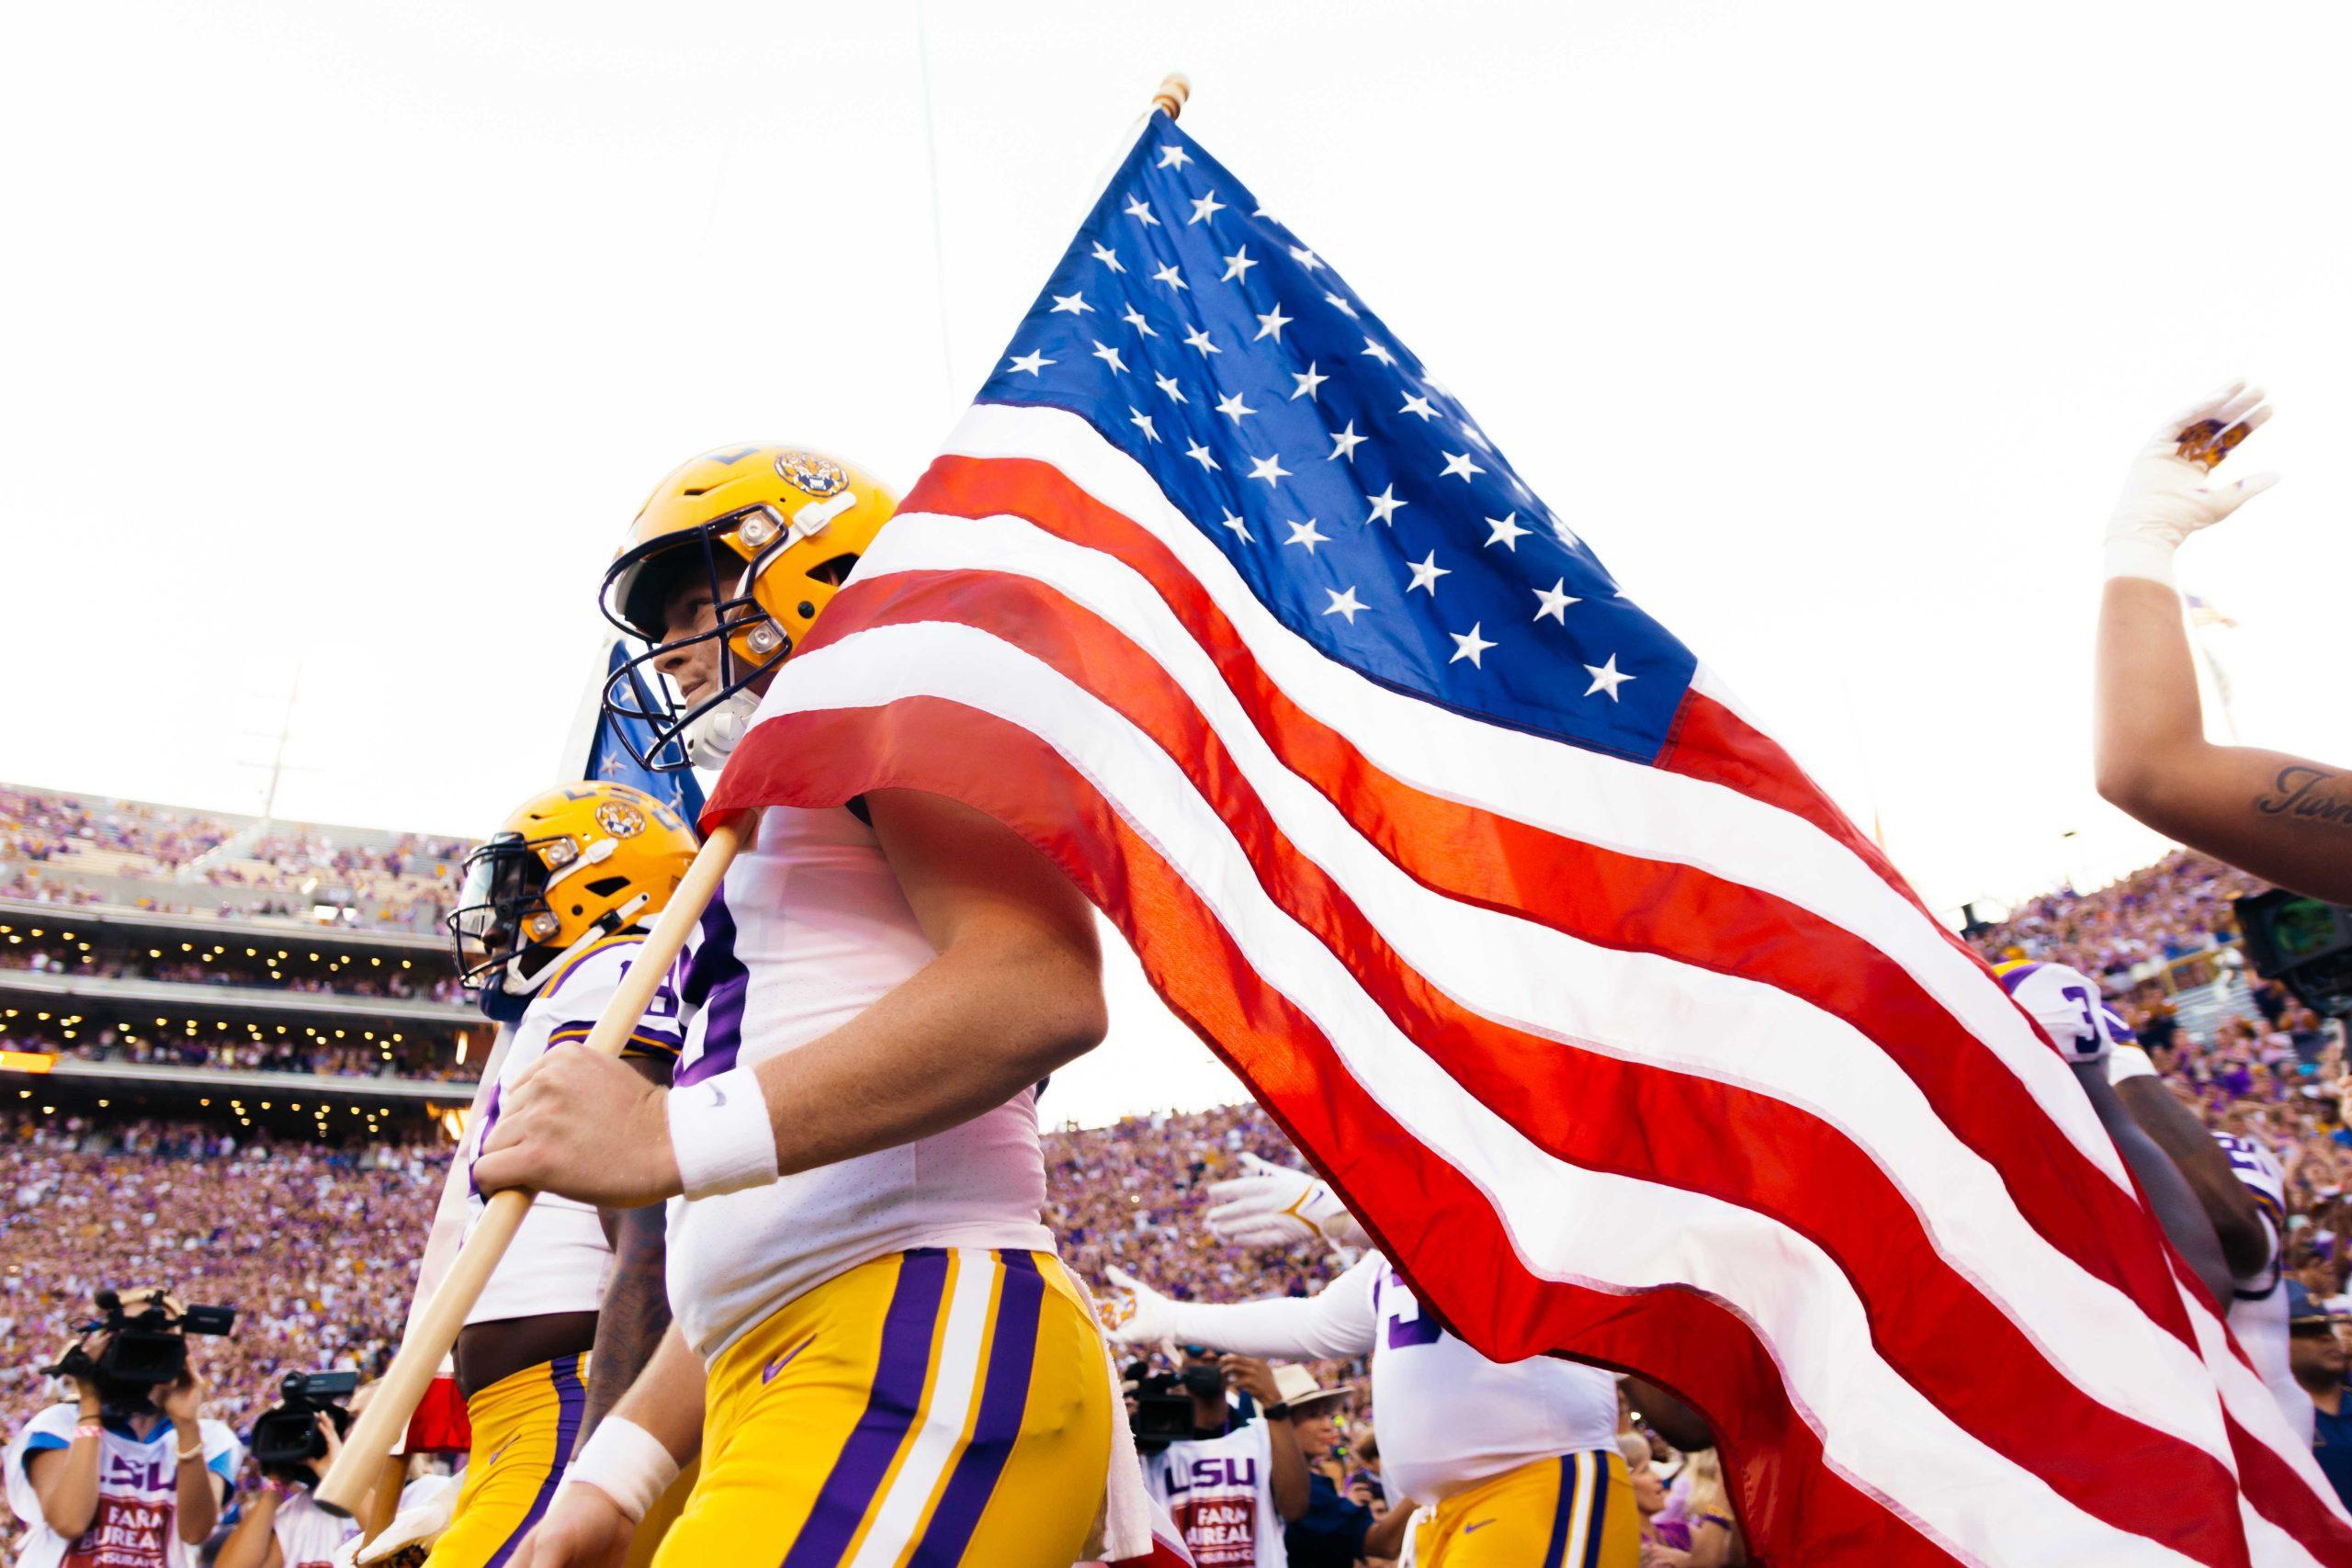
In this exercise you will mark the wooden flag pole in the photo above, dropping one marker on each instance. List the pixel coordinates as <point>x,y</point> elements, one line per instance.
<point>435,1330</point>
<point>1175,89</point>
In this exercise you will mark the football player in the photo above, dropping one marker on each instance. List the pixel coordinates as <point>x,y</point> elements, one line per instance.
<point>2075,1015</point>
<point>554,908</point>
<point>875,1347</point>
<point>1511,1463</point>
<point>2237,1182</point>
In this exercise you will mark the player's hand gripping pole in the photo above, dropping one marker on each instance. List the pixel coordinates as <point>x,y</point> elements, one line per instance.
<point>429,1339</point>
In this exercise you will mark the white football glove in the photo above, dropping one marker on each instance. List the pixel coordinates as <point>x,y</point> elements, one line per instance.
<point>1138,1318</point>
<point>2166,497</point>
<point>1277,1206</point>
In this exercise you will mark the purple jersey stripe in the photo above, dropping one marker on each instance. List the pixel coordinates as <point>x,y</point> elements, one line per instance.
<point>908,1327</point>
<point>716,981</point>
<point>570,1397</point>
<point>489,1119</point>
<point>1004,1397</point>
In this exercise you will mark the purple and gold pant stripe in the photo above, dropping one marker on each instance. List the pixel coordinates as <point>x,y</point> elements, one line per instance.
<point>524,1429</point>
<point>935,1407</point>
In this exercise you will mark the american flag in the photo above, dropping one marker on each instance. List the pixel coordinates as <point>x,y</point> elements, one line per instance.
<point>1621,1038</point>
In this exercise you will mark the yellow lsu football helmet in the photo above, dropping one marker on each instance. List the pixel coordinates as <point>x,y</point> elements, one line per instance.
<point>772,531</point>
<point>567,869</point>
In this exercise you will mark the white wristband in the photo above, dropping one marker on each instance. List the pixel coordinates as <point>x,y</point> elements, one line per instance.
<point>720,1135</point>
<point>626,1463</point>
<point>2134,555</point>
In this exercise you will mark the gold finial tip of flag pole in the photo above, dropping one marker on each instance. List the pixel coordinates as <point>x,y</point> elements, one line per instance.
<point>1174,89</point>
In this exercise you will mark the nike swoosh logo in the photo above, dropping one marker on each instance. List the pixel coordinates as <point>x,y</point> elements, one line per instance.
<point>1482,1524</point>
<point>500,1451</point>
<point>768,1372</point>
<point>718,1097</point>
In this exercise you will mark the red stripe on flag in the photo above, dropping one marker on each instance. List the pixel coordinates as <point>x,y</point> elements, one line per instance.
<point>1602,1112</point>
<point>1460,1264</point>
<point>1614,900</point>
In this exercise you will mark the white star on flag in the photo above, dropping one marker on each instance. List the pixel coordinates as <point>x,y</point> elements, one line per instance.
<point>1173,157</point>
<point>1110,357</point>
<point>1170,276</point>
<point>1379,351</point>
<point>1235,524</point>
<point>1345,441</point>
<point>1305,533</point>
<point>1199,338</point>
<point>1134,318</point>
<point>1554,601</point>
<point>1030,364</point>
<point>1237,267</point>
<point>1136,209</point>
<point>1308,383</point>
<point>1468,645</point>
<point>1426,572</point>
<point>1169,385</point>
<point>1418,406</point>
<point>1607,678</point>
<point>1074,303</point>
<point>1507,531</point>
<point>1204,209</point>
<point>1108,257</point>
<point>1142,422</point>
<point>1384,506</point>
<point>1233,408</point>
<point>1200,453</point>
<point>1459,465</point>
<point>1346,604</point>
<point>1271,469</point>
<point>1271,324</point>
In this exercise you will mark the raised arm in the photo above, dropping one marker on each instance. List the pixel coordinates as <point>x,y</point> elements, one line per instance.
<point>2283,817</point>
<point>2238,1226</point>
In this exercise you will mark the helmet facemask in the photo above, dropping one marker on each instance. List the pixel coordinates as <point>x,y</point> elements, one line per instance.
<point>750,643</point>
<point>504,926</point>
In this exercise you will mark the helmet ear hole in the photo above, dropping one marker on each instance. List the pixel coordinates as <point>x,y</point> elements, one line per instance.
<point>605,886</point>
<point>833,572</point>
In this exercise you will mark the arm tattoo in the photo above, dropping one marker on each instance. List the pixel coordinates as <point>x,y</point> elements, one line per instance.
<point>635,1314</point>
<point>2304,791</point>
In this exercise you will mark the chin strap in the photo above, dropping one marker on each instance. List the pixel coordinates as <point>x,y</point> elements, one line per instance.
<point>522,982</point>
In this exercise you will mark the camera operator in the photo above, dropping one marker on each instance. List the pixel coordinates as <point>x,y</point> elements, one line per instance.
<point>284,1526</point>
<point>2285,819</point>
<point>1241,1477</point>
<point>128,1473</point>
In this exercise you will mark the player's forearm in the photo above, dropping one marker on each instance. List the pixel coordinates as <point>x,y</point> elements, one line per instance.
<point>2166,1191</point>
<point>2283,817</point>
<point>2148,718</point>
<point>1284,1326</point>
<point>1385,1538</point>
<point>667,1397</point>
<point>964,1033</point>
<point>2237,1223</point>
<point>634,1313</point>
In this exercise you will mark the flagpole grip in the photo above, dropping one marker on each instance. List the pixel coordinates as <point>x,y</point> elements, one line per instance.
<point>1175,90</point>
<point>431,1336</point>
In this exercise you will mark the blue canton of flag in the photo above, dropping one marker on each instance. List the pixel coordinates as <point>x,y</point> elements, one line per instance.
<point>1357,498</point>
<point>611,761</point>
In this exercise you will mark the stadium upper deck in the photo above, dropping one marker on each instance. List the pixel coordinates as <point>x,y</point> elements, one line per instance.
<point>187,963</point>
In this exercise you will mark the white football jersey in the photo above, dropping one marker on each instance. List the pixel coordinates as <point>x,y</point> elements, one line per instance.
<point>1448,1416</point>
<point>2259,1304</point>
<point>809,931</point>
<point>137,1522</point>
<point>560,1258</point>
<point>1219,1493</point>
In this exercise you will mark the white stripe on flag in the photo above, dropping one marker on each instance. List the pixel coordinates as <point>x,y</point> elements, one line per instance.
<point>1566,1224</point>
<point>1636,1007</point>
<point>1578,793</point>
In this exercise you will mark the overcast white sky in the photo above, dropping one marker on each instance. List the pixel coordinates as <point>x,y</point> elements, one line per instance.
<point>350,336</point>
